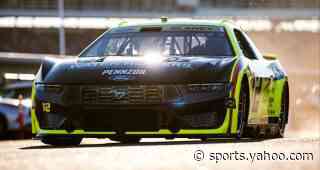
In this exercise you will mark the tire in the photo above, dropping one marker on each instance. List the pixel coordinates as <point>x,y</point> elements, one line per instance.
<point>126,140</point>
<point>283,119</point>
<point>3,127</point>
<point>61,141</point>
<point>204,139</point>
<point>243,111</point>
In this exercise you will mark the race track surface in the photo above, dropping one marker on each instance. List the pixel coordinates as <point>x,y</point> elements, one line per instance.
<point>160,154</point>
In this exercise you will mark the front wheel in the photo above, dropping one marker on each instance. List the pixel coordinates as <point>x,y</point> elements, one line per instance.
<point>243,110</point>
<point>61,141</point>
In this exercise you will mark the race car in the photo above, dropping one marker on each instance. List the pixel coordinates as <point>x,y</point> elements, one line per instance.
<point>167,79</point>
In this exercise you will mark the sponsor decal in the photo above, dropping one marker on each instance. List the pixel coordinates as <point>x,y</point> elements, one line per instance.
<point>111,72</point>
<point>278,73</point>
<point>123,74</point>
<point>180,65</point>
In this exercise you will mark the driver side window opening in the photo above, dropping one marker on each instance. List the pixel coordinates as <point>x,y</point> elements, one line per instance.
<point>245,45</point>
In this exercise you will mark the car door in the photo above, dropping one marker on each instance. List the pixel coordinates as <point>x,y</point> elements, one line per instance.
<point>261,80</point>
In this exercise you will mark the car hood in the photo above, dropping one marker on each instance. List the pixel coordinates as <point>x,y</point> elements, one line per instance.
<point>140,70</point>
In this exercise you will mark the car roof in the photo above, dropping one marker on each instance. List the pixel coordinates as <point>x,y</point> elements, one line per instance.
<point>191,22</point>
<point>18,85</point>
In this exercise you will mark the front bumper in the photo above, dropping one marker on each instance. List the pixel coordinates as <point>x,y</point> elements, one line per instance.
<point>69,110</point>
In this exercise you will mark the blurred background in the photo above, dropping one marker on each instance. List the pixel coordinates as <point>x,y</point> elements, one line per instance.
<point>33,29</point>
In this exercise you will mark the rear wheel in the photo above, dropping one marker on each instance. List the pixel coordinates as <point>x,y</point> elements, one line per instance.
<point>283,119</point>
<point>61,141</point>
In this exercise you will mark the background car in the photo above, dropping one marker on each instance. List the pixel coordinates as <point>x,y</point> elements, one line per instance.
<point>13,119</point>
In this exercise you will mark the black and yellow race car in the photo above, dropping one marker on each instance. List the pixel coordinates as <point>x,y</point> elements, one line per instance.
<point>193,79</point>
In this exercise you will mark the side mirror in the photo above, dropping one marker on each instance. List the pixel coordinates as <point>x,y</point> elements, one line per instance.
<point>270,56</point>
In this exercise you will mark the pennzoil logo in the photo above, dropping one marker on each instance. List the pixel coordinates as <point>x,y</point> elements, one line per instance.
<point>112,72</point>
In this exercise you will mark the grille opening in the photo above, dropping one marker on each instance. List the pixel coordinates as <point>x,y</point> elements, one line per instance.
<point>122,95</point>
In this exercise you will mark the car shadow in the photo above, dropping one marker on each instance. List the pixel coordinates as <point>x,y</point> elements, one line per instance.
<point>153,143</point>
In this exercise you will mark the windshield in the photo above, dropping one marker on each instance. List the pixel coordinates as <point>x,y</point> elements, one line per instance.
<point>178,43</point>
